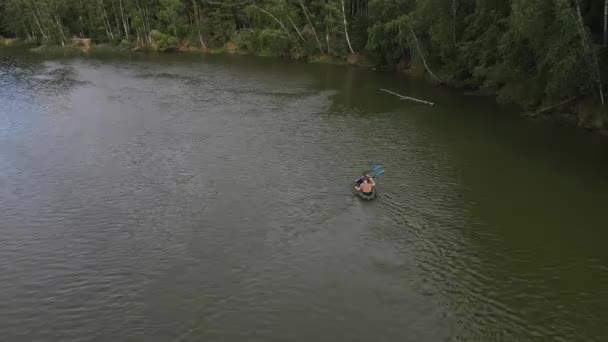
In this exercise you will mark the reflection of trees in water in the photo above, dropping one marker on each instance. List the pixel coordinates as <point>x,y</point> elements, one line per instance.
<point>358,89</point>
<point>47,78</point>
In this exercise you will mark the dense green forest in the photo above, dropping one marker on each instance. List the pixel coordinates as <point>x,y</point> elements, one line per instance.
<point>536,53</point>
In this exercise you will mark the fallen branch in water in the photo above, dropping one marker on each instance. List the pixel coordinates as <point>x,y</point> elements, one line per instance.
<point>403,97</point>
<point>534,113</point>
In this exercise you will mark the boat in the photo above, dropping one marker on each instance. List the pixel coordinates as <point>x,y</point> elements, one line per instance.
<point>379,170</point>
<point>367,197</point>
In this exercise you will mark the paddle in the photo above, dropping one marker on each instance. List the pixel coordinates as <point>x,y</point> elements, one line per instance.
<point>376,168</point>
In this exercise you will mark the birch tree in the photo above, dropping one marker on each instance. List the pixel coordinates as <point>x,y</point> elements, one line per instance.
<point>346,29</point>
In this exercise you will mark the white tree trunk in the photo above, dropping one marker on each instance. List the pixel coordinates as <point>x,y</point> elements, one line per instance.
<point>115,17</point>
<point>296,28</point>
<point>201,40</point>
<point>313,28</point>
<point>106,21</point>
<point>346,29</point>
<point>275,19</point>
<point>421,55</point>
<point>403,97</point>
<point>175,25</point>
<point>60,29</point>
<point>198,18</point>
<point>147,26</point>
<point>46,34</point>
<point>124,22</point>
<point>38,24</point>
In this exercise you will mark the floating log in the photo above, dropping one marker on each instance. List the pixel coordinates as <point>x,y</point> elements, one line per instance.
<point>403,97</point>
<point>534,113</point>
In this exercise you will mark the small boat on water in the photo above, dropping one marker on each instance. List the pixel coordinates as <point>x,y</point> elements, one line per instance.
<point>365,196</point>
<point>368,196</point>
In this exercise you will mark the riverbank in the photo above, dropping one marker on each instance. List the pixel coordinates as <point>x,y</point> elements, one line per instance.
<point>583,113</point>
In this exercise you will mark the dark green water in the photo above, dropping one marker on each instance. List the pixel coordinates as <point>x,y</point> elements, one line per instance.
<point>188,198</point>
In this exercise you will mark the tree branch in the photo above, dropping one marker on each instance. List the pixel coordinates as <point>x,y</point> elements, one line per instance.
<point>421,55</point>
<point>403,97</point>
<point>275,18</point>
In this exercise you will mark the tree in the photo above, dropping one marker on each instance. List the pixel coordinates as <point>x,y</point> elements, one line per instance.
<point>531,52</point>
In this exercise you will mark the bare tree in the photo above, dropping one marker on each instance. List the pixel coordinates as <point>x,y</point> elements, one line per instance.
<point>125,23</point>
<point>198,17</point>
<point>295,27</point>
<point>420,53</point>
<point>275,19</point>
<point>312,27</point>
<point>346,29</point>
<point>38,21</point>
<point>106,21</point>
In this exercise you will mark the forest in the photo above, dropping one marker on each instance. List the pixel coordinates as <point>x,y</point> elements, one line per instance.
<point>548,56</point>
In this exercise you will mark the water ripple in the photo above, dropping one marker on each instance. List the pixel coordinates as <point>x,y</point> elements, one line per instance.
<point>175,201</point>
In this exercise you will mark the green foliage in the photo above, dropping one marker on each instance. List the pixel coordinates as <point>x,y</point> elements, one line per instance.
<point>527,51</point>
<point>164,42</point>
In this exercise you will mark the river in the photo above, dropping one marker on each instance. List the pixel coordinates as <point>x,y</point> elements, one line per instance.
<point>206,198</point>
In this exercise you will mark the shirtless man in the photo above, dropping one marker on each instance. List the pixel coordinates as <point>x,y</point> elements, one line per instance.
<point>367,187</point>
<point>361,179</point>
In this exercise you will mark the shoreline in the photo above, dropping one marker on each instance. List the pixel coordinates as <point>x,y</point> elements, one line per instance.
<point>582,116</point>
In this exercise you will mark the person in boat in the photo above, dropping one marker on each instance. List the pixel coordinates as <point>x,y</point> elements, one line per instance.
<point>367,187</point>
<point>364,177</point>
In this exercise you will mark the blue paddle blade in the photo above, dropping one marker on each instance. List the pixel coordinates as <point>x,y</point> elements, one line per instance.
<point>379,173</point>
<point>377,167</point>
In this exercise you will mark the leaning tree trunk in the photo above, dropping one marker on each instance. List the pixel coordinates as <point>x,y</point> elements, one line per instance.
<point>175,26</point>
<point>40,27</point>
<point>421,55</point>
<point>116,18</point>
<point>313,28</point>
<point>124,22</point>
<point>60,30</point>
<point>45,33</point>
<point>106,20</point>
<point>346,29</point>
<point>275,19</point>
<point>148,25</point>
<point>144,20</point>
<point>295,27</point>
